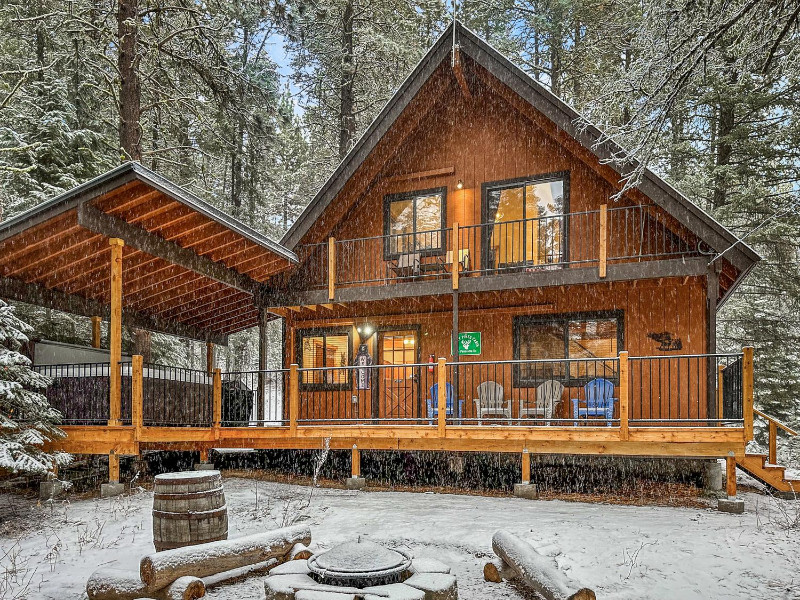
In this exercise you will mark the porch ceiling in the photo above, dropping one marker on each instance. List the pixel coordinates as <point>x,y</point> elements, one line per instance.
<point>188,269</point>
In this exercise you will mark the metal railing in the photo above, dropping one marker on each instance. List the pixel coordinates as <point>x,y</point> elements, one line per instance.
<point>80,392</point>
<point>254,398</point>
<point>176,397</point>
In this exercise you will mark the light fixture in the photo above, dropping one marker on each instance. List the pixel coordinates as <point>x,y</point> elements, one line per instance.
<point>460,185</point>
<point>365,330</point>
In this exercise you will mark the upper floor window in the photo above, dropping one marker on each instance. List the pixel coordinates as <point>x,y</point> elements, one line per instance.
<point>525,221</point>
<point>413,222</point>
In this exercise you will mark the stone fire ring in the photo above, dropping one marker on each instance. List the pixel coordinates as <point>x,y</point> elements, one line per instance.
<point>361,571</point>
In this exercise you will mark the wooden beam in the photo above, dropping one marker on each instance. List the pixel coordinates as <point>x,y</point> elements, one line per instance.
<point>217,397</point>
<point>115,333</point>
<point>355,462</point>
<point>526,466</point>
<point>96,321</point>
<point>455,249</point>
<point>294,397</point>
<point>730,476</point>
<point>603,241</point>
<point>441,400</point>
<point>137,396</point>
<point>747,391</point>
<point>113,467</point>
<point>624,396</point>
<point>458,70</point>
<point>331,268</point>
<point>421,175</point>
<point>147,242</point>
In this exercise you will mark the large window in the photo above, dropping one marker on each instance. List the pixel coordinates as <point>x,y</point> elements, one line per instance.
<point>586,339</point>
<point>324,348</point>
<point>526,224</point>
<point>413,222</point>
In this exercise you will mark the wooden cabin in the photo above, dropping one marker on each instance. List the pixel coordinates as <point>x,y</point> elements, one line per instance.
<point>466,280</point>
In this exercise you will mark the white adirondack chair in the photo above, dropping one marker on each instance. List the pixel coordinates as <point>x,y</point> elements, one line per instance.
<point>490,401</point>
<point>548,398</point>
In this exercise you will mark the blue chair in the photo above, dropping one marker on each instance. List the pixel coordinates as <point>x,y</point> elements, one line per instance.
<point>599,401</point>
<point>433,402</point>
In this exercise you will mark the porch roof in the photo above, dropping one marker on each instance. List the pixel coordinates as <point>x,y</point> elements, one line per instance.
<point>188,268</point>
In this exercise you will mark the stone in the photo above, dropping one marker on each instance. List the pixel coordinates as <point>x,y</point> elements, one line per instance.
<point>712,476</point>
<point>437,586</point>
<point>355,483</point>
<point>733,506</point>
<point>526,490</point>
<point>292,567</point>
<point>204,467</point>
<point>283,587</point>
<point>323,595</point>
<point>428,565</point>
<point>108,490</point>
<point>395,591</point>
<point>50,489</point>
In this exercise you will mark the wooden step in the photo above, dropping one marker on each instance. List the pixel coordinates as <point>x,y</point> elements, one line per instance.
<point>772,475</point>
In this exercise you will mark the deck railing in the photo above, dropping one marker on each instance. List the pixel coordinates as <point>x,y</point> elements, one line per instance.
<point>176,397</point>
<point>253,398</point>
<point>578,239</point>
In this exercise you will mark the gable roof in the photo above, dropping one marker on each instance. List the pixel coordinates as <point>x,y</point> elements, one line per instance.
<point>710,231</point>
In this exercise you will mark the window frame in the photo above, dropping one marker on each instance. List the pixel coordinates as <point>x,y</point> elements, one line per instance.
<point>564,320</point>
<point>489,186</point>
<point>387,202</point>
<point>324,332</point>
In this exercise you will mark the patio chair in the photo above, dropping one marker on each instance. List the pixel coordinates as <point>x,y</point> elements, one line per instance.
<point>548,401</point>
<point>490,401</point>
<point>433,403</point>
<point>463,259</point>
<point>599,401</point>
<point>406,265</point>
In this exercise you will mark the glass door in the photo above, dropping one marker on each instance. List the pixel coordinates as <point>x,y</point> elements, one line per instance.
<point>398,390</point>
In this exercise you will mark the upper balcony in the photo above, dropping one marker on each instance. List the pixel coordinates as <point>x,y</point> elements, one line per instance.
<point>611,243</point>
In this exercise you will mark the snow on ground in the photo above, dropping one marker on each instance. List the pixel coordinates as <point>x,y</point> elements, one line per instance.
<point>623,552</point>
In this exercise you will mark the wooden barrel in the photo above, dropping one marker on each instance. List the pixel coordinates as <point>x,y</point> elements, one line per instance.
<point>188,508</point>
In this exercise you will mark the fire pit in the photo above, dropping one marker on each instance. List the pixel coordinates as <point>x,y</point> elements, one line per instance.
<point>363,570</point>
<point>359,564</point>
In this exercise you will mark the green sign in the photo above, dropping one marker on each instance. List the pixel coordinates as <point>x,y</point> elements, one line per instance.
<point>469,343</point>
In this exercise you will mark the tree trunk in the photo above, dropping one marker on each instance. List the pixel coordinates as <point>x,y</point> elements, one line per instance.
<point>347,119</point>
<point>130,133</point>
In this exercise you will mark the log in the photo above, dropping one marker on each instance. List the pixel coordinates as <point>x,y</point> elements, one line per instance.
<point>535,570</point>
<point>299,552</point>
<point>116,584</point>
<point>162,568</point>
<point>496,571</point>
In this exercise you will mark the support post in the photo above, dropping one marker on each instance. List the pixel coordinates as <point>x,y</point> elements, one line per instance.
<point>526,467</point>
<point>772,457</point>
<point>747,392</point>
<point>730,476</point>
<point>355,462</point>
<point>331,268</point>
<point>217,397</point>
<point>624,396</point>
<point>263,353</point>
<point>712,295</point>
<point>115,333</point>
<point>137,397</point>
<point>113,467</point>
<point>209,357</point>
<point>203,455</point>
<point>603,241</point>
<point>456,353</point>
<point>455,248</point>
<point>441,400</point>
<point>294,397</point>
<point>96,335</point>
<point>720,410</point>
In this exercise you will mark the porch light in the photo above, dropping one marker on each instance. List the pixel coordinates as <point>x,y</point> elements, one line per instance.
<point>460,185</point>
<point>365,330</point>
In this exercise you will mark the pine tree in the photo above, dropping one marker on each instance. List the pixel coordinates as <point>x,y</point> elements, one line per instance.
<point>27,421</point>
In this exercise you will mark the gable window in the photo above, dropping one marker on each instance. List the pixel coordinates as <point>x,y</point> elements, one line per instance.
<point>525,220</point>
<point>585,338</point>
<point>324,349</point>
<point>413,222</point>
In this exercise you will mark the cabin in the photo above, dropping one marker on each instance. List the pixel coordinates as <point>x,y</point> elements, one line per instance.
<point>466,280</point>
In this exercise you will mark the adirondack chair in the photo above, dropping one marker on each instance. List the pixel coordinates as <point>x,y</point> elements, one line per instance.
<point>491,401</point>
<point>599,401</point>
<point>548,399</point>
<point>406,265</point>
<point>433,403</point>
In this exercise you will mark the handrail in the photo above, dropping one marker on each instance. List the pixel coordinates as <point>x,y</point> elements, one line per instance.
<point>778,423</point>
<point>772,439</point>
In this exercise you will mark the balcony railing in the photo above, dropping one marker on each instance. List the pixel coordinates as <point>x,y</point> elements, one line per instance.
<point>579,239</point>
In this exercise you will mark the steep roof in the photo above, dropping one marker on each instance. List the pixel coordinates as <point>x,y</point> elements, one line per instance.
<point>710,231</point>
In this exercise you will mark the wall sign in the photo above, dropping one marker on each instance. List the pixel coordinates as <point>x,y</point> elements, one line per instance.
<point>469,343</point>
<point>668,343</point>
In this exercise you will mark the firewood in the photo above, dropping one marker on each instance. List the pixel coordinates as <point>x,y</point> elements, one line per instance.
<point>496,571</point>
<point>115,584</point>
<point>162,568</point>
<point>185,588</point>
<point>299,552</point>
<point>535,570</point>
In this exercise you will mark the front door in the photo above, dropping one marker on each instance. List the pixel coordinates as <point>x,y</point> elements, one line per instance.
<point>398,390</point>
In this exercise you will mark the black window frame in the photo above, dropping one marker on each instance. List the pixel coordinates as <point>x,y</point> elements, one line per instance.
<point>564,319</point>
<point>324,332</point>
<point>387,235</point>
<point>486,232</point>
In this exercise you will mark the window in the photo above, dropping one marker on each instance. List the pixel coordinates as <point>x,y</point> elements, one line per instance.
<point>413,222</point>
<point>590,336</point>
<point>526,221</point>
<point>324,348</point>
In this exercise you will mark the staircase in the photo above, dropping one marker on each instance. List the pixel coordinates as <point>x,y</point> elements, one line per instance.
<point>763,467</point>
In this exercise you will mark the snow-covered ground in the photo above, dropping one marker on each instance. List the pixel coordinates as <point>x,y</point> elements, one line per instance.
<point>623,552</point>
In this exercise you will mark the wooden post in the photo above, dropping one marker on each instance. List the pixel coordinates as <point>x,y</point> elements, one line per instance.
<point>294,397</point>
<point>113,467</point>
<point>441,400</point>
<point>730,476</point>
<point>217,397</point>
<point>526,466</point>
<point>96,331</point>
<point>624,395</point>
<point>115,333</point>
<point>263,354</point>
<point>355,462</point>
<point>332,268</point>
<point>603,239</point>
<point>720,369</point>
<point>747,392</point>
<point>712,297</point>
<point>137,415</point>
<point>209,357</point>
<point>203,455</point>
<point>456,254</point>
<point>772,458</point>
